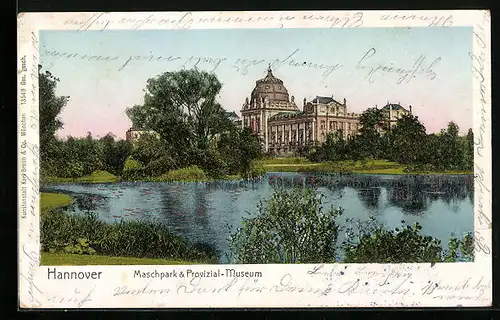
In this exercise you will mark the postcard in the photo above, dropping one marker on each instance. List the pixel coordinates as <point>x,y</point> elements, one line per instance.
<point>254,159</point>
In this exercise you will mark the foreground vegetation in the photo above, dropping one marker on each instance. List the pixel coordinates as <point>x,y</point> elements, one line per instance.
<point>293,227</point>
<point>63,233</point>
<point>68,259</point>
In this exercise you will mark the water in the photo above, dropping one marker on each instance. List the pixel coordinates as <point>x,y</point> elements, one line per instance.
<point>208,211</point>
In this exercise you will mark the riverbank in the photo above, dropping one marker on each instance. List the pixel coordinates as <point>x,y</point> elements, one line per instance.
<point>96,177</point>
<point>195,174</point>
<point>358,167</point>
<point>85,240</point>
<point>188,174</point>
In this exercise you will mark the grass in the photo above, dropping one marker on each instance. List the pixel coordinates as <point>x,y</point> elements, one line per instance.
<point>188,174</point>
<point>281,161</point>
<point>51,201</point>
<point>96,177</point>
<point>347,166</point>
<point>67,259</point>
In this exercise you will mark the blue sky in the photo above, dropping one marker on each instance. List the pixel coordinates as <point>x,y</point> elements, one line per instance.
<point>320,62</point>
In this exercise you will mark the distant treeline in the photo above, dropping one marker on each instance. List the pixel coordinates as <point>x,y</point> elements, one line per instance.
<point>407,143</point>
<point>193,130</point>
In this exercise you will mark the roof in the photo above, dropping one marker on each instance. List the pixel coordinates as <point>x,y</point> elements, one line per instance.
<point>324,100</point>
<point>395,106</point>
<point>285,115</point>
<point>269,78</point>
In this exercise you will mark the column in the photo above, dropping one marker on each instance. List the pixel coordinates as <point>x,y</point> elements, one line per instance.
<point>266,138</point>
<point>261,122</point>
<point>314,129</point>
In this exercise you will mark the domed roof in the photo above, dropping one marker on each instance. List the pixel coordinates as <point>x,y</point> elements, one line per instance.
<point>270,87</point>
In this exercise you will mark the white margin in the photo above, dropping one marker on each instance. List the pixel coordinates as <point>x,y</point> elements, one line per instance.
<point>338,285</point>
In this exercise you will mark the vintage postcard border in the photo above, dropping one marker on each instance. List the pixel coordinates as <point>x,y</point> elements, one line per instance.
<point>342,285</point>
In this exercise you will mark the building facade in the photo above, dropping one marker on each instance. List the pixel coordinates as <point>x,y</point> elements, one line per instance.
<point>284,127</point>
<point>393,112</point>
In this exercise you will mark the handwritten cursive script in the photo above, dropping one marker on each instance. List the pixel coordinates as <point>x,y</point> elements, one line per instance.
<point>186,20</point>
<point>405,75</point>
<point>33,258</point>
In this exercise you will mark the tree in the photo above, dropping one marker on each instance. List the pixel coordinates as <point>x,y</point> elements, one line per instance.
<point>372,122</point>
<point>469,150</point>
<point>50,107</point>
<point>408,140</point>
<point>182,108</point>
<point>114,153</point>
<point>455,149</point>
<point>238,148</point>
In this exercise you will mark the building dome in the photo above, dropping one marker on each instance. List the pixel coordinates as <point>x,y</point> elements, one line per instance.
<point>270,87</point>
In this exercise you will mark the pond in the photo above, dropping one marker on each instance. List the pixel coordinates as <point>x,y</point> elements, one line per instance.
<point>208,211</point>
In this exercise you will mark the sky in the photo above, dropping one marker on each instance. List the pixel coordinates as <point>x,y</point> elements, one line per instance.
<point>105,72</point>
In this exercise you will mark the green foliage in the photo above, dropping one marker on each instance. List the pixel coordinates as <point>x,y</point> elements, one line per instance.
<point>406,143</point>
<point>192,173</point>
<point>291,227</point>
<point>460,249</point>
<point>65,233</point>
<point>238,148</point>
<point>78,157</point>
<point>182,108</point>
<point>131,164</point>
<point>372,243</point>
<point>50,107</point>
<point>403,245</point>
<point>81,246</point>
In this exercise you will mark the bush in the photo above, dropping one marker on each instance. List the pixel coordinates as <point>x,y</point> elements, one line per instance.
<point>131,164</point>
<point>159,166</point>
<point>192,173</point>
<point>290,228</point>
<point>403,245</point>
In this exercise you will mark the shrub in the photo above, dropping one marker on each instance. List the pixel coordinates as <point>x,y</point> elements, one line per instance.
<point>290,228</point>
<point>131,164</point>
<point>403,245</point>
<point>159,166</point>
<point>191,173</point>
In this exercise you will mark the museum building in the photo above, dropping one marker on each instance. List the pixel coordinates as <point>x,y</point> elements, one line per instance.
<point>284,127</point>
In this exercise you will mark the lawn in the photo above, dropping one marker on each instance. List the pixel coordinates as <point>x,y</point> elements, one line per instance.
<point>348,166</point>
<point>66,259</point>
<point>96,177</point>
<point>51,201</point>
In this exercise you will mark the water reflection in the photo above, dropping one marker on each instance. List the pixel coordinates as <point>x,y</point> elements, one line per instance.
<point>443,205</point>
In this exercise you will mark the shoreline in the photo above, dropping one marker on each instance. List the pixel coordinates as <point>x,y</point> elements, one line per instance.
<point>299,165</point>
<point>57,180</point>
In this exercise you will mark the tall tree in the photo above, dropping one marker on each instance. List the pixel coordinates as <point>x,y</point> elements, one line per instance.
<point>469,149</point>
<point>50,106</point>
<point>371,122</point>
<point>181,106</point>
<point>409,140</point>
